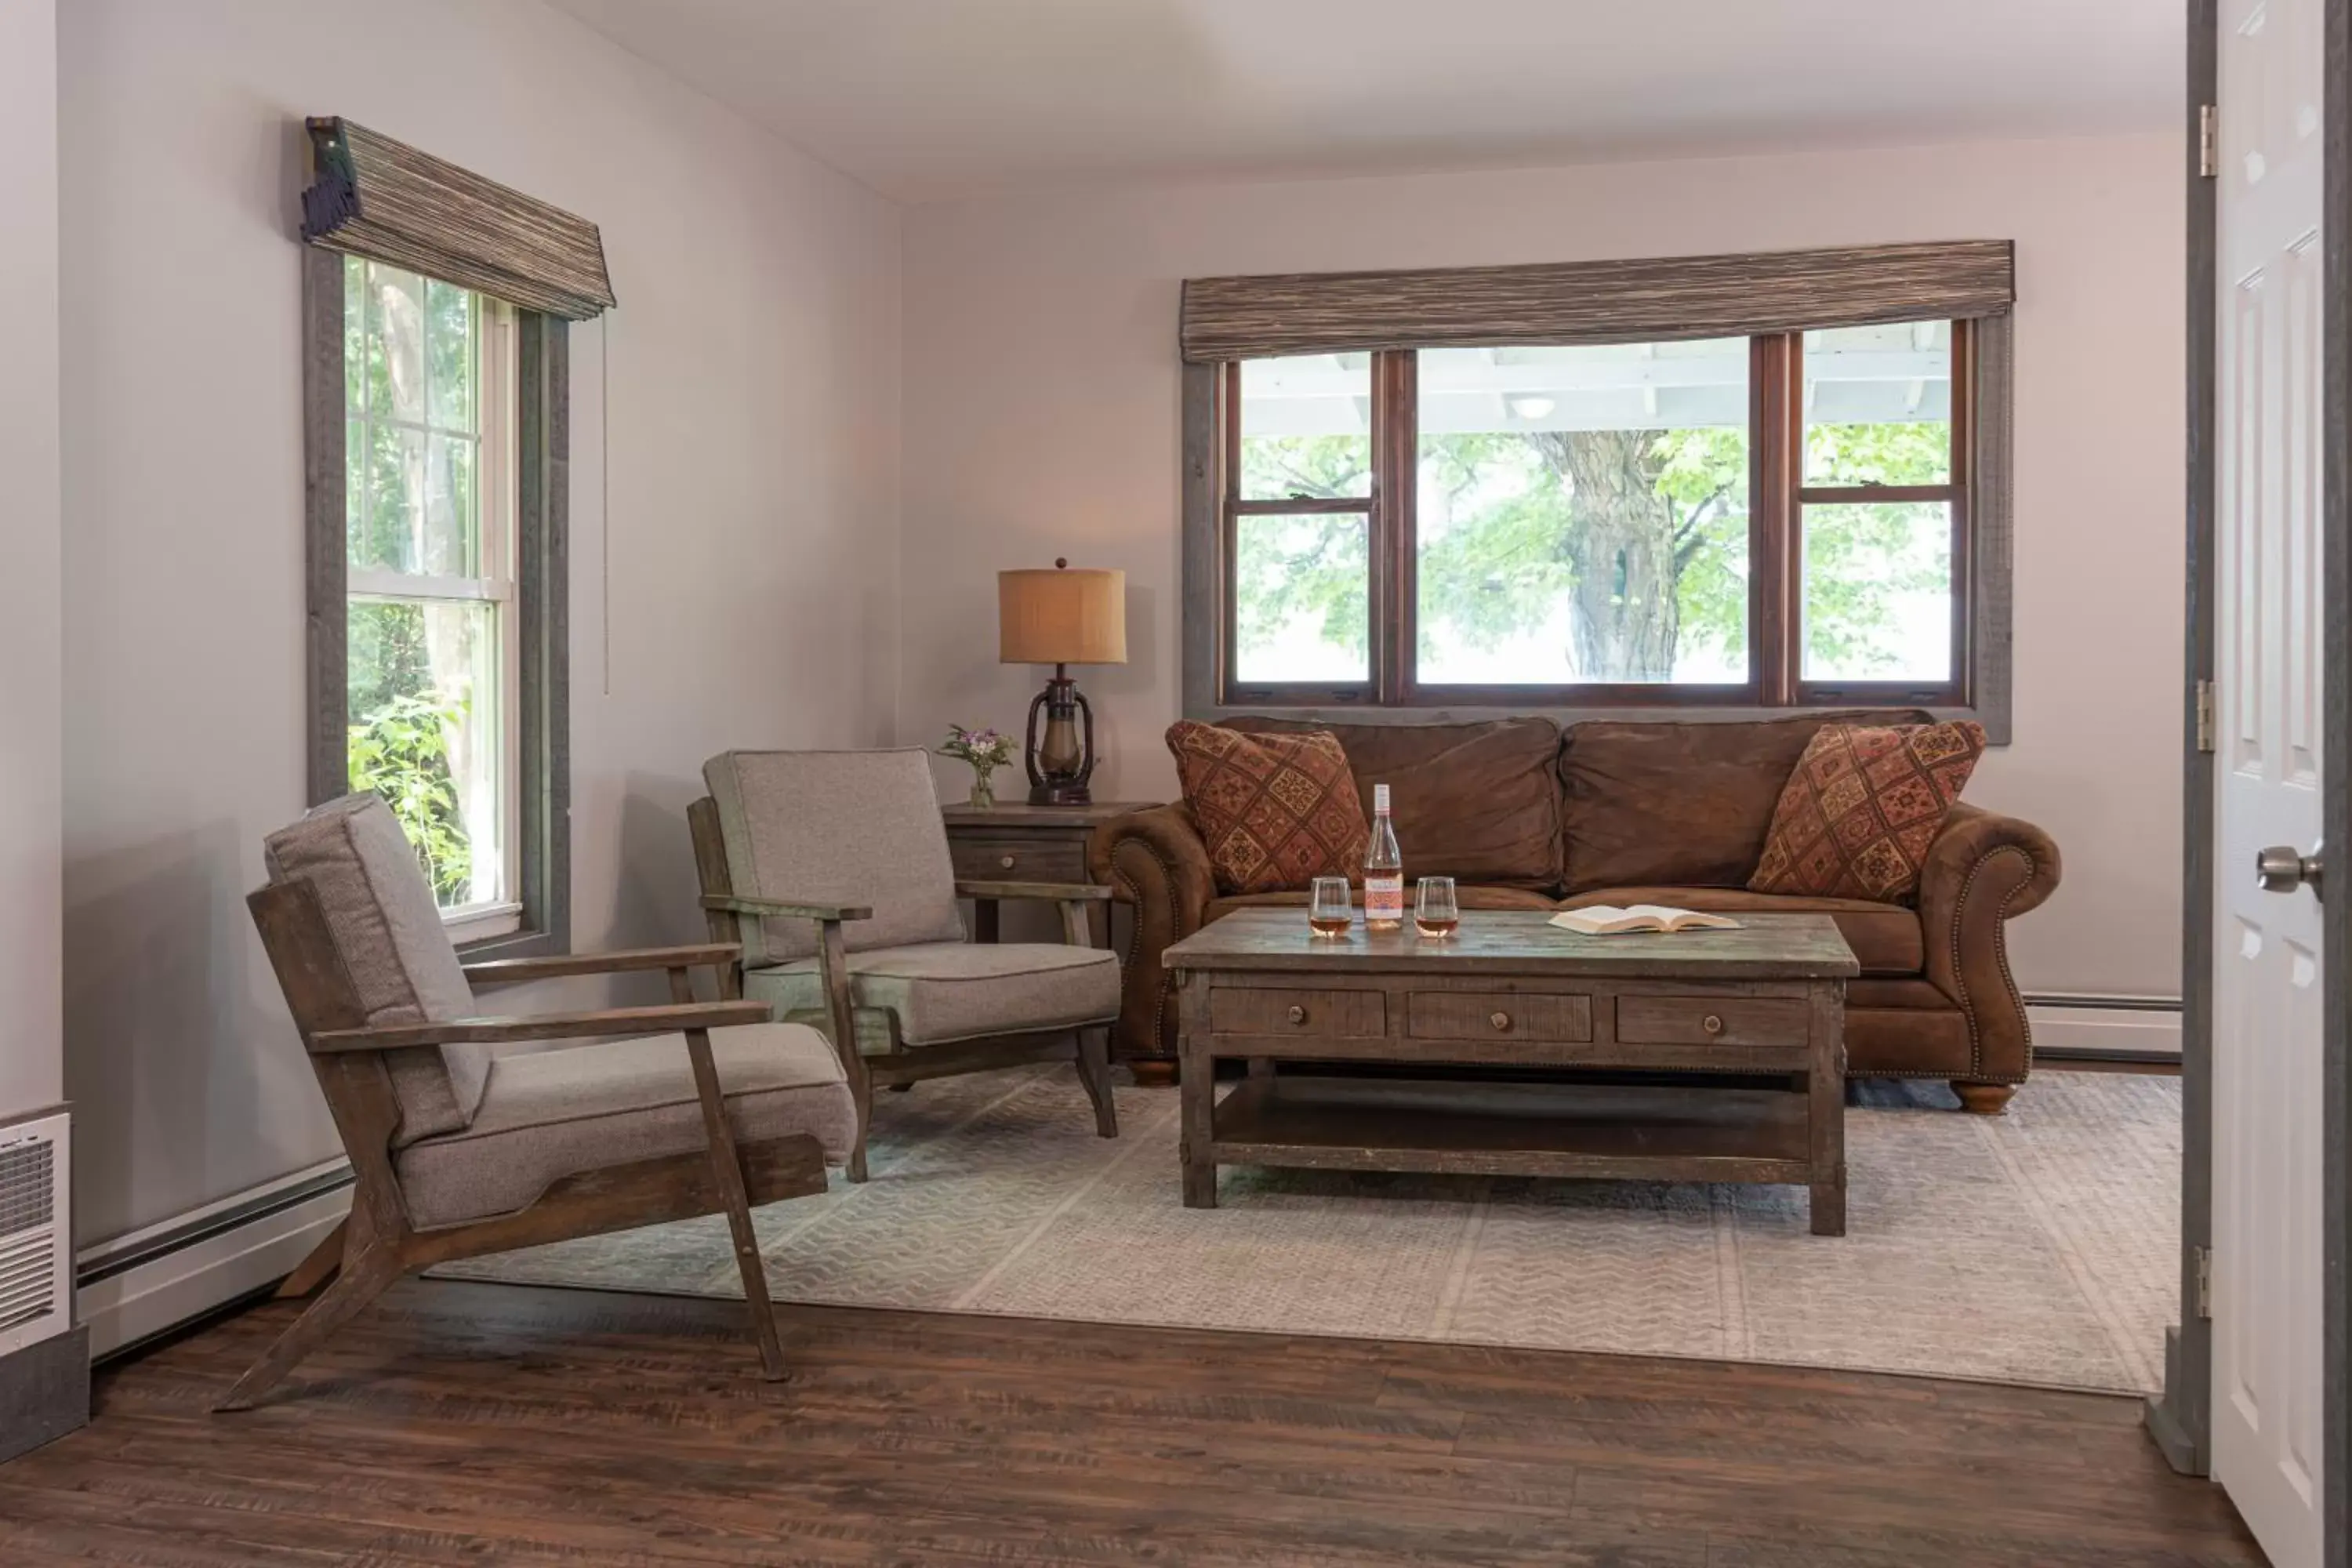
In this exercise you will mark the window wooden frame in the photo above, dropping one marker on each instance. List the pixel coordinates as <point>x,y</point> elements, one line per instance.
<point>542,778</point>
<point>1978,492</point>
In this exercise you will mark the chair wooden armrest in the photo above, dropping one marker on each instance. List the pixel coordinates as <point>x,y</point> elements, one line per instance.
<point>515,970</point>
<point>608,1023</point>
<point>736,904</point>
<point>1058,892</point>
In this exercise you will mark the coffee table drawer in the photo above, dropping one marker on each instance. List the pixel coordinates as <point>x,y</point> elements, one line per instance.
<point>1711,1020</point>
<point>1497,1015</point>
<point>1247,1010</point>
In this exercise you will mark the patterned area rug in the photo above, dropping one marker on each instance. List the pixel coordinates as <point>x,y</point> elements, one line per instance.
<point>2039,1248</point>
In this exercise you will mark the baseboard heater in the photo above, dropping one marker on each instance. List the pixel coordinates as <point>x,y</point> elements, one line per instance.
<point>2123,1029</point>
<point>141,1286</point>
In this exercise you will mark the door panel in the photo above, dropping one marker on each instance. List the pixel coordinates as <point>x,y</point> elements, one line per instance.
<point>2267,1019</point>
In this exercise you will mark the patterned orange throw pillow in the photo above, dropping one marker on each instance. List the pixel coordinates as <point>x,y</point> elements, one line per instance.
<point>1276,811</point>
<point>1858,814</point>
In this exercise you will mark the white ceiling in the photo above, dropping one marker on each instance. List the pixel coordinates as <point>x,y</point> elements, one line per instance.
<point>930,99</point>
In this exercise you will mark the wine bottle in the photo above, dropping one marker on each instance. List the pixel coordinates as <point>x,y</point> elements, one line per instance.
<point>1383,870</point>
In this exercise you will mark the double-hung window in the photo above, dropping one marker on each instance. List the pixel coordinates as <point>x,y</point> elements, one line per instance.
<point>434,655</point>
<point>1766,519</point>
<point>436,369</point>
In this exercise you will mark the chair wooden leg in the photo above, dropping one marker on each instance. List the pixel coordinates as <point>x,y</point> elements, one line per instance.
<point>727,1175</point>
<point>318,1268</point>
<point>361,1280</point>
<point>1094,1071</point>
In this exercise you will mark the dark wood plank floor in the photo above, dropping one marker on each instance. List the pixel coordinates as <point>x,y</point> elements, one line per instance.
<point>488,1424</point>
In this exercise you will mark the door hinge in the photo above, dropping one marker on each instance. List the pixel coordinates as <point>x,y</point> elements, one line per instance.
<point>2209,141</point>
<point>2204,715</point>
<point>2204,1258</point>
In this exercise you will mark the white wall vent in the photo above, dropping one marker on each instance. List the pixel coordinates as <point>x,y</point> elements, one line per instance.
<point>35,1242</point>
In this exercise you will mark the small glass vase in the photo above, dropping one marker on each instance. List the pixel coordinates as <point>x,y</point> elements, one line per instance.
<point>983,791</point>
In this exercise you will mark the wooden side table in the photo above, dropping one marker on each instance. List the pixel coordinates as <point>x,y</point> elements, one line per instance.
<point>1021,843</point>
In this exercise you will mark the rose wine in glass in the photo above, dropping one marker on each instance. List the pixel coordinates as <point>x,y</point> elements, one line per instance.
<point>1435,911</point>
<point>1332,912</point>
<point>1383,870</point>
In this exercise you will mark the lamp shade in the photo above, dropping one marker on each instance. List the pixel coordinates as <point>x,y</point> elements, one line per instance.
<point>1056,615</point>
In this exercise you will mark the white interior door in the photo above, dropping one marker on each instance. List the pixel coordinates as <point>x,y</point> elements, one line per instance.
<point>2266,994</point>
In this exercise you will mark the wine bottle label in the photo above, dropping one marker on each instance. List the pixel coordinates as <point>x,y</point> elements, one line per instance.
<point>1383,898</point>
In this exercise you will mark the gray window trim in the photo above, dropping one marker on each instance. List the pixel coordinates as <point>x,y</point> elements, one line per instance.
<point>1990,563</point>
<point>543,580</point>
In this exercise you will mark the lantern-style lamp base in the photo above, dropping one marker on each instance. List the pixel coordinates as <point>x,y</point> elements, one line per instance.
<point>1060,758</point>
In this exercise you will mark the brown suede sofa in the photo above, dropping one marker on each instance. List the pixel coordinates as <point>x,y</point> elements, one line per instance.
<point>1526,817</point>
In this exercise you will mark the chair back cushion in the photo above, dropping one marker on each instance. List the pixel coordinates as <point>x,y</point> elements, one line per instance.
<point>380,917</point>
<point>848,828</point>
<point>1477,802</point>
<point>1677,804</point>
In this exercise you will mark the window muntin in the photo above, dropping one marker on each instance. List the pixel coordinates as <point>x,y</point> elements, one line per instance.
<point>432,644</point>
<point>1787,522</point>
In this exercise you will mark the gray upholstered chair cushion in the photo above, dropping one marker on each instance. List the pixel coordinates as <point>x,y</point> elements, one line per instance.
<point>381,916</point>
<point>849,827</point>
<point>955,991</point>
<point>546,1115</point>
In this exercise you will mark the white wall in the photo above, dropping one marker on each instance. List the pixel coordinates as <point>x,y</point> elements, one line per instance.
<point>749,453</point>
<point>31,1075</point>
<point>1042,418</point>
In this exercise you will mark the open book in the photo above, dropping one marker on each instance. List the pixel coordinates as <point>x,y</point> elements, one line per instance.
<point>1608,919</point>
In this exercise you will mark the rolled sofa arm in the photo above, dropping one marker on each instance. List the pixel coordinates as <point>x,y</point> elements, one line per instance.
<point>1155,861</point>
<point>1981,870</point>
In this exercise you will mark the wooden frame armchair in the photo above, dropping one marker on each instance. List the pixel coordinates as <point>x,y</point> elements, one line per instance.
<point>872,991</point>
<point>752,1120</point>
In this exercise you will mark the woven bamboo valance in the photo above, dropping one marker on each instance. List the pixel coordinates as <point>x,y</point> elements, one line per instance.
<point>372,196</point>
<point>1595,302</point>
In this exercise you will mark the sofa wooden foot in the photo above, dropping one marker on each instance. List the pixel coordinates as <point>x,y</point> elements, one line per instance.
<point>1154,1072</point>
<point>1983,1099</point>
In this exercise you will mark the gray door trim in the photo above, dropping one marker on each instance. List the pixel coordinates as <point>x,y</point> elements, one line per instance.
<point>2179,1418</point>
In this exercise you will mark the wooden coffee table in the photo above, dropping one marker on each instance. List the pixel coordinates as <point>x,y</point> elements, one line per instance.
<point>1511,990</point>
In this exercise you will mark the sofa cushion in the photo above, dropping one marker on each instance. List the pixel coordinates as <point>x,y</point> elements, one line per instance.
<point>1682,803</point>
<point>1469,895</point>
<point>1885,938</point>
<point>945,991</point>
<point>1276,810</point>
<point>1479,803</point>
<point>385,926</point>
<point>546,1115</point>
<point>1861,807</point>
<point>835,827</point>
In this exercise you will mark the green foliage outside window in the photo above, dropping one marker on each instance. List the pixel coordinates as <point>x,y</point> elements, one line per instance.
<point>399,740</point>
<point>1645,532</point>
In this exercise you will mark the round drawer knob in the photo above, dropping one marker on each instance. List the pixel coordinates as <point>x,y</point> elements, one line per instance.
<point>1712,1023</point>
<point>1006,862</point>
<point>1500,1020</point>
<point>1299,1014</point>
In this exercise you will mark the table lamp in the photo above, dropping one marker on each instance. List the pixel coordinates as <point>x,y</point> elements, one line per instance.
<point>1061,618</point>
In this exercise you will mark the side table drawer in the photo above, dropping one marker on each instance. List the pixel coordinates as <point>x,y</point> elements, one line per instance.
<point>1497,1015</point>
<point>1711,1020</point>
<point>1249,1010</point>
<point>1017,858</point>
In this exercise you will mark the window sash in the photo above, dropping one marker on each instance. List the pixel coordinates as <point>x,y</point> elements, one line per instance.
<point>1777,503</point>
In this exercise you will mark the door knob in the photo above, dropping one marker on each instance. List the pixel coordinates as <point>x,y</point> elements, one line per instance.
<point>1299,1014</point>
<point>1499,1020</point>
<point>2281,869</point>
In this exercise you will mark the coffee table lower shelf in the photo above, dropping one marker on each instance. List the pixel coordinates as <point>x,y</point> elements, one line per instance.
<point>1697,1133</point>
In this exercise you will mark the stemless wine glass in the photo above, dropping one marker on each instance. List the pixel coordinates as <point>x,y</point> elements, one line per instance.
<point>1434,911</point>
<point>1333,910</point>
